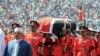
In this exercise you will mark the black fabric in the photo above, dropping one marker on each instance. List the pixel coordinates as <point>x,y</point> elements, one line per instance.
<point>73,27</point>
<point>58,25</point>
<point>57,28</point>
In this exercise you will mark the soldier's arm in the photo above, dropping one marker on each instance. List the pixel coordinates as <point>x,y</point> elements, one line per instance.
<point>93,47</point>
<point>75,48</point>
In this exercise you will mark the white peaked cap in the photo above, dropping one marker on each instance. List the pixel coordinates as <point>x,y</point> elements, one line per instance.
<point>91,29</point>
<point>20,30</point>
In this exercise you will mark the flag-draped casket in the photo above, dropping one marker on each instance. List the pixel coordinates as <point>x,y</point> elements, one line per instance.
<point>55,25</point>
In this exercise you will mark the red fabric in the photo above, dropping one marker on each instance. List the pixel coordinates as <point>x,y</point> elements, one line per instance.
<point>9,37</point>
<point>68,44</point>
<point>82,15</point>
<point>82,46</point>
<point>64,42</point>
<point>58,49</point>
<point>48,47</point>
<point>93,44</point>
<point>73,39</point>
<point>47,51</point>
<point>45,24</point>
<point>98,46</point>
<point>34,39</point>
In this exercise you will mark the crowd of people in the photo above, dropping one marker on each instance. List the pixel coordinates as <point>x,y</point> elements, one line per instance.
<point>25,39</point>
<point>85,42</point>
<point>19,11</point>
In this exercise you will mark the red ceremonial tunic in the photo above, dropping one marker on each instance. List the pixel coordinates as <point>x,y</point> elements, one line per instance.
<point>68,45</point>
<point>35,39</point>
<point>9,37</point>
<point>98,46</point>
<point>58,49</point>
<point>82,46</point>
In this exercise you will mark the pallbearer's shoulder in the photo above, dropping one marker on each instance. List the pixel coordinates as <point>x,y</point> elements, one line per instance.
<point>39,34</point>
